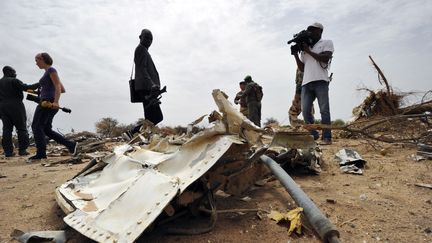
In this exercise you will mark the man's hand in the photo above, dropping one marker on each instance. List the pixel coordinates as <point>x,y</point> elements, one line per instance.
<point>306,48</point>
<point>294,50</point>
<point>155,88</point>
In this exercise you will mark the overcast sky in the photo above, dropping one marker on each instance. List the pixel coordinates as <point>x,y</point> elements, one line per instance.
<point>202,45</point>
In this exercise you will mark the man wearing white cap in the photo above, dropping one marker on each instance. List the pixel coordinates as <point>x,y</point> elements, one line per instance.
<point>315,63</point>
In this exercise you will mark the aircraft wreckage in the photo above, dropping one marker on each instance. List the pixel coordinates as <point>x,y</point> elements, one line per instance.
<point>136,187</point>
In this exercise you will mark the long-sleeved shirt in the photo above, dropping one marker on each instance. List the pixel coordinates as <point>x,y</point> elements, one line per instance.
<point>11,89</point>
<point>146,74</point>
<point>250,93</point>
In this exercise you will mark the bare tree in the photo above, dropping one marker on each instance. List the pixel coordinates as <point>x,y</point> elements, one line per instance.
<point>106,126</point>
<point>271,121</point>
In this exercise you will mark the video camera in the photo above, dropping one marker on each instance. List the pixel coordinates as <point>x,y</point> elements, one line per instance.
<point>303,37</point>
<point>154,96</point>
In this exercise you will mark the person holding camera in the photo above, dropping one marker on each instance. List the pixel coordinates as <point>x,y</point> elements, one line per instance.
<point>314,62</point>
<point>147,83</point>
<point>12,111</point>
<point>50,90</point>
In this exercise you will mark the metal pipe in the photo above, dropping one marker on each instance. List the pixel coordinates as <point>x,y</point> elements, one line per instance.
<point>325,229</point>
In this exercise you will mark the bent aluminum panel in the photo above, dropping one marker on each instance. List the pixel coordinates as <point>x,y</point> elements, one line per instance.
<point>194,159</point>
<point>120,202</point>
<point>96,191</point>
<point>129,215</point>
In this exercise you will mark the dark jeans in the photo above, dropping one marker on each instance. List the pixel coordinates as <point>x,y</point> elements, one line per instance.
<point>310,92</point>
<point>13,114</point>
<point>152,113</point>
<point>42,126</point>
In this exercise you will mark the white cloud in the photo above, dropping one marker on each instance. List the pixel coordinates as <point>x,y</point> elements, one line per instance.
<point>202,45</point>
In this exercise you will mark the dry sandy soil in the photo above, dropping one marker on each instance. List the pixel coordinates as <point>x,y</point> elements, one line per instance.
<point>391,208</point>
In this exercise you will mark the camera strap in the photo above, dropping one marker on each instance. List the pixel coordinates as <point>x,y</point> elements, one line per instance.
<point>133,65</point>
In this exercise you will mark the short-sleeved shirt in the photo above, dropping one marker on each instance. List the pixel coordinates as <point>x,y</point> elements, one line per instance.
<point>314,70</point>
<point>47,89</point>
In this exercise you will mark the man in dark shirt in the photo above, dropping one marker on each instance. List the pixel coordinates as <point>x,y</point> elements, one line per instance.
<point>12,111</point>
<point>146,81</point>
<point>253,101</point>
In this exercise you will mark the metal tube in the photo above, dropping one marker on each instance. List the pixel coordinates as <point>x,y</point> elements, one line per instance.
<point>325,229</point>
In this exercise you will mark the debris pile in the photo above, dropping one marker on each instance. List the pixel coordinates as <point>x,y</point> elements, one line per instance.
<point>90,146</point>
<point>176,175</point>
<point>381,103</point>
<point>382,116</point>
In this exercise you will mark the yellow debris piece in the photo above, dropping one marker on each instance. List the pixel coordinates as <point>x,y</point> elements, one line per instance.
<point>276,216</point>
<point>293,216</point>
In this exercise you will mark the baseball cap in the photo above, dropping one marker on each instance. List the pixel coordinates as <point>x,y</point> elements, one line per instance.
<point>317,25</point>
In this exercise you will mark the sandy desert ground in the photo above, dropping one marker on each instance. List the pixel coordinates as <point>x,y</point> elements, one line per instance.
<point>383,205</point>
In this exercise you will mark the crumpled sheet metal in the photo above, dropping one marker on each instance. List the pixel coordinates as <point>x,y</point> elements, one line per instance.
<point>40,236</point>
<point>293,140</point>
<point>118,203</point>
<point>350,161</point>
<point>234,119</point>
<point>348,157</point>
<point>307,155</point>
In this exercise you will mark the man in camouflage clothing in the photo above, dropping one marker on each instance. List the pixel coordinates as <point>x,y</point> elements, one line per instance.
<point>295,108</point>
<point>242,100</point>
<point>253,102</point>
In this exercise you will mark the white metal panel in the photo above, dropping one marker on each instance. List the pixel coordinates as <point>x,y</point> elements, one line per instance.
<point>126,197</point>
<point>130,214</point>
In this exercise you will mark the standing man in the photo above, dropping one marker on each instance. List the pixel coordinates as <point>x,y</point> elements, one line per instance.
<point>314,63</point>
<point>13,113</point>
<point>295,108</point>
<point>146,82</point>
<point>242,100</point>
<point>253,94</point>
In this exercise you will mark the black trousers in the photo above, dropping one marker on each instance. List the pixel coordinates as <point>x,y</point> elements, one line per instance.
<point>254,112</point>
<point>13,114</point>
<point>42,126</point>
<point>152,112</point>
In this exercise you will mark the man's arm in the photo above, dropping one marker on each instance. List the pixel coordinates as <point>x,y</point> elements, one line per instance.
<point>148,79</point>
<point>145,72</point>
<point>324,56</point>
<point>238,97</point>
<point>300,64</point>
<point>24,87</point>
